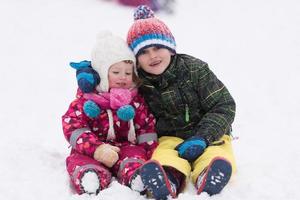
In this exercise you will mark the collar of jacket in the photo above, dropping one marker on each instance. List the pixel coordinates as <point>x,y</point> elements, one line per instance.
<point>164,79</point>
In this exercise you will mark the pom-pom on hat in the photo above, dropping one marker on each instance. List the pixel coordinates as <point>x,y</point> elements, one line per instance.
<point>108,50</point>
<point>148,31</point>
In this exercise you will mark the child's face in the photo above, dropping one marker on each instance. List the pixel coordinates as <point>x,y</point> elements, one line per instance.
<point>154,60</point>
<point>120,75</point>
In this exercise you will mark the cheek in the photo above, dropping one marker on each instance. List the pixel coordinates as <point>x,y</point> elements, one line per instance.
<point>112,79</point>
<point>141,60</point>
<point>129,79</point>
<point>143,65</point>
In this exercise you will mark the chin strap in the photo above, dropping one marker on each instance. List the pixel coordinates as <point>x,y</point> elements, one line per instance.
<point>111,131</point>
<point>131,132</point>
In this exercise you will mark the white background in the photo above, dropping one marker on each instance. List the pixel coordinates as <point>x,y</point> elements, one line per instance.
<point>253,46</point>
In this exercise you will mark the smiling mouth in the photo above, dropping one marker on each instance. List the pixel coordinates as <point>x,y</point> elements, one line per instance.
<point>155,63</point>
<point>121,84</point>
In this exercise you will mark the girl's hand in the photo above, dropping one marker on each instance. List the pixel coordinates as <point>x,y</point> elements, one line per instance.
<point>107,154</point>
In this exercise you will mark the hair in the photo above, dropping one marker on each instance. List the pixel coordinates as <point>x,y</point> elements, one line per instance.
<point>135,78</point>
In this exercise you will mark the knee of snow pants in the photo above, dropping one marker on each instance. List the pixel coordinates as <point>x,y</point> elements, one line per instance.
<point>224,151</point>
<point>78,164</point>
<point>166,155</point>
<point>131,157</point>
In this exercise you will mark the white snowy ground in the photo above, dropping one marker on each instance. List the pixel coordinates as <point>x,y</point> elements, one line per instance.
<point>253,46</point>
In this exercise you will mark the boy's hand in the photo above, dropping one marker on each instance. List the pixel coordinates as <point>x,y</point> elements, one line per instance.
<point>191,148</point>
<point>107,154</point>
<point>87,77</point>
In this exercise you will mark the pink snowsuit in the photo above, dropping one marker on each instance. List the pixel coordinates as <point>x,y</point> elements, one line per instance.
<point>85,134</point>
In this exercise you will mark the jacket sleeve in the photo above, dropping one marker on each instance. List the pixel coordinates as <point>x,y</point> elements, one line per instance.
<point>77,131</point>
<point>145,126</point>
<point>218,105</point>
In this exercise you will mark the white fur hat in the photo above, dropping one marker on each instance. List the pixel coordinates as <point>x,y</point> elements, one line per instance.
<point>109,49</point>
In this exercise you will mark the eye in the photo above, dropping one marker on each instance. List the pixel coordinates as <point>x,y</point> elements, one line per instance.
<point>128,73</point>
<point>115,72</point>
<point>142,52</point>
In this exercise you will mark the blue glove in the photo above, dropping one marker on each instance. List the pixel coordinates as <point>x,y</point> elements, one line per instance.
<point>91,109</point>
<point>87,77</point>
<point>191,148</point>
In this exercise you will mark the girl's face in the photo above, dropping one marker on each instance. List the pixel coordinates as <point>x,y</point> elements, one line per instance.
<point>154,60</point>
<point>120,75</point>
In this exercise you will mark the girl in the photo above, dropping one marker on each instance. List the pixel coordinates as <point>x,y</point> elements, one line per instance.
<point>108,125</point>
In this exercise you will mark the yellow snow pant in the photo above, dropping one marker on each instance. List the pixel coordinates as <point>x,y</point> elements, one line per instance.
<point>166,155</point>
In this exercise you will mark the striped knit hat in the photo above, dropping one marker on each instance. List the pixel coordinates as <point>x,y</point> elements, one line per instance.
<point>148,31</point>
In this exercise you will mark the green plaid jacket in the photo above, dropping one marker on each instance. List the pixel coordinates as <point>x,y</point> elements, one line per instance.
<point>188,99</point>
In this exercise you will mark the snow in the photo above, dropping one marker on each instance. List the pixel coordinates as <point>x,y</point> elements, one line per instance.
<point>136,184</point>
<point>253,47</point>
<point>90,182</point>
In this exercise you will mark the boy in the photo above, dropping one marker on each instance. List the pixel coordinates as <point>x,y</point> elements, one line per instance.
<point>193,109</point>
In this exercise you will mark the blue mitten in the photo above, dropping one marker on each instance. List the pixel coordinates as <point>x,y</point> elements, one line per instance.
<point>191,148</point>
<point>87,77</point>
<point>126,113</point>
<point>81,64</point>
<point>91,109</point>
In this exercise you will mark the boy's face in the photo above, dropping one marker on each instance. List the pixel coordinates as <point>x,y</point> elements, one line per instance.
<point>154,60</point>
<point>120,75</point>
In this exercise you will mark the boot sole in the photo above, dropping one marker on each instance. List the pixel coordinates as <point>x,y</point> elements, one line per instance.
<point>216,177</point>
<point>156,181</point>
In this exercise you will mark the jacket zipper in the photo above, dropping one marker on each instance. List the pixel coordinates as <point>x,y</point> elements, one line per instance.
<point>187,115</point>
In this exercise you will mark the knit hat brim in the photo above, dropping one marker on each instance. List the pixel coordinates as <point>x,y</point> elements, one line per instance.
<point>149,40</point>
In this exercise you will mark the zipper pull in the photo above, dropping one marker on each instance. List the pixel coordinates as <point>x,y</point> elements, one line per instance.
<point>187,115</point>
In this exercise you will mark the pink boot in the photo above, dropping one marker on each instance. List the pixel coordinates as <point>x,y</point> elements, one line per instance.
<point>86,174</point>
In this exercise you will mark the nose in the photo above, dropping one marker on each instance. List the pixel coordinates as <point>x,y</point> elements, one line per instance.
<point>152,54</point>
<point>123,76</point>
